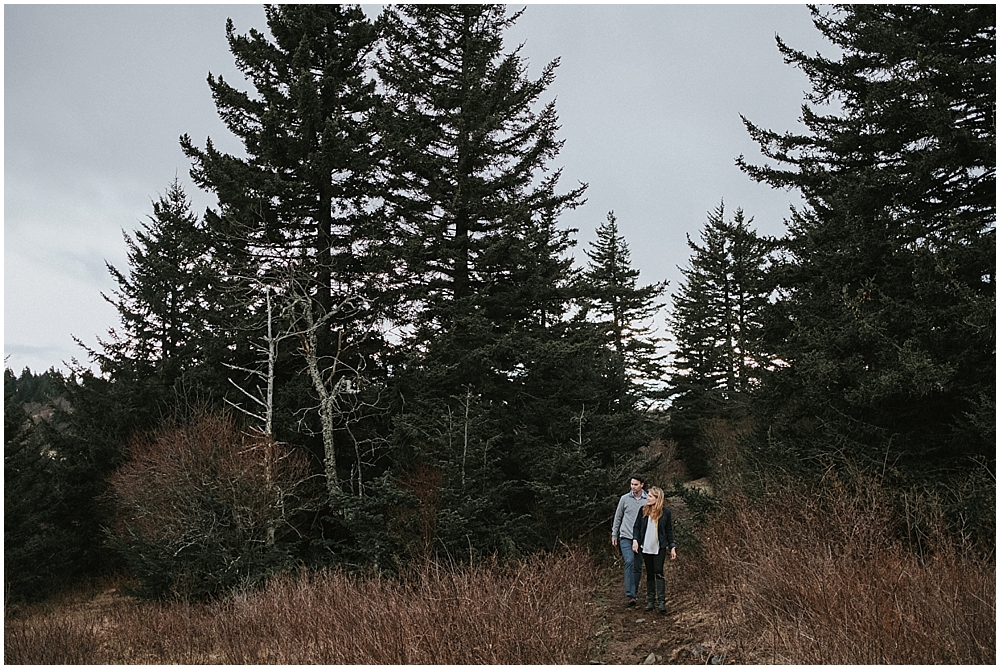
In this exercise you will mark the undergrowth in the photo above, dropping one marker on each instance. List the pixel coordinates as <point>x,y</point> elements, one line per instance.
<point>538,611</point>
<point>822,575</point>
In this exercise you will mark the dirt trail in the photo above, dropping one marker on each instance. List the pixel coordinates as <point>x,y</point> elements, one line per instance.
<point>632,635</point>
<point>629,635</point>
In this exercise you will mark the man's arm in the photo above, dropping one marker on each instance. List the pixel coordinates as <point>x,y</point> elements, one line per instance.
<point>616,527</point>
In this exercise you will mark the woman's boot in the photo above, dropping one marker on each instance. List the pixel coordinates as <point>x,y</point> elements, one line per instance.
<point>661,595</point>
<point>650,594</point>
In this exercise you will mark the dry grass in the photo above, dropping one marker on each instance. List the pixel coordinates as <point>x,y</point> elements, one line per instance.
<point>807,577</point>
<point>535,612</point>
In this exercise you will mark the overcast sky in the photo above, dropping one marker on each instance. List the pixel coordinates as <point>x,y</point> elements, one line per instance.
<point>96,96</point>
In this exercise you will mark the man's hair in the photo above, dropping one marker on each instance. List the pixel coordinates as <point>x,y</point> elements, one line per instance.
<point>638,478</point>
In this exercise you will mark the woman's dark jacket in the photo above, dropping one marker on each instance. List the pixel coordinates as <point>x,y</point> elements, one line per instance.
<point>664,529</point>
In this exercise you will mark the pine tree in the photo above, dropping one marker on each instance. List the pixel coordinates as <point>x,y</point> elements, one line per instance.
<point>308,177</point>
<point>163,300</point>
<point>887,303</point>
<point>717,321</point>
<point>624,310</point>
<point>468,156</point>
<point>298,217</point>
<point>485,388</point>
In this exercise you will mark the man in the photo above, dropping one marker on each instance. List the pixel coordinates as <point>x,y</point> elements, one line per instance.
<point>621,535</point>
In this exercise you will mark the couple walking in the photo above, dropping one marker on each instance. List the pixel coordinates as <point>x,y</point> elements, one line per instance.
<point>644,531</point>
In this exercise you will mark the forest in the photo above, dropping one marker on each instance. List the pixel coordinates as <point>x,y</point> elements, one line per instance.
<point>376,351</point>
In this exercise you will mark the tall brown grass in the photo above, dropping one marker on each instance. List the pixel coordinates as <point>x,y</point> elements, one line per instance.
<point>533,612</point>
<point>822,576</point>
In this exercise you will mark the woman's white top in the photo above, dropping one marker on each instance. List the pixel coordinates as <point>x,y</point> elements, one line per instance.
<point>651,544</point>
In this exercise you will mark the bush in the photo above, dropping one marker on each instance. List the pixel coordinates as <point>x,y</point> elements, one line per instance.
<point>203,509</point>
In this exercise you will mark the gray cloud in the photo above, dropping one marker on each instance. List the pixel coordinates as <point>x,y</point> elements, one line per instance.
<point>649,98</point>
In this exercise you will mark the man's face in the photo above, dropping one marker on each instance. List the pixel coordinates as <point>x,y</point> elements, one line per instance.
<point>636,486</point>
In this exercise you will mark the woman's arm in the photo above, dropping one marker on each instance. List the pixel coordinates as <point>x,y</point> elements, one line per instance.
<point>639,527</point>
<point>669,527</point>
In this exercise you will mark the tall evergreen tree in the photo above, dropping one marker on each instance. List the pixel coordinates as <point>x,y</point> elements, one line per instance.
<point>717,323</point>
<point>887,302</point>
<point>624,310</point>
<point>468,155</point>
<point>718,315</point>
<point>487,391</point>
<point>163,299</point>
<point>308,177</point>
<point>299,213</point>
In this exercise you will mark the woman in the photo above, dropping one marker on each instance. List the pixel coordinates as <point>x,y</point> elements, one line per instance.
<point>652,534</point>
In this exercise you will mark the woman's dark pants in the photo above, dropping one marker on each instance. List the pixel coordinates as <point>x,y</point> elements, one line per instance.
<point>655,585</point>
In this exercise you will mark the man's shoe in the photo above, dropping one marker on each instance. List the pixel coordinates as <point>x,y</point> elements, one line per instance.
<point>630,602</point>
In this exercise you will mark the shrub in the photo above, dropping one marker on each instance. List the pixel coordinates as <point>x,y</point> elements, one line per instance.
<point>203,509</point>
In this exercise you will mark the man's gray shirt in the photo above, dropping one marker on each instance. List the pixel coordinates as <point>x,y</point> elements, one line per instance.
<point>625,514</point>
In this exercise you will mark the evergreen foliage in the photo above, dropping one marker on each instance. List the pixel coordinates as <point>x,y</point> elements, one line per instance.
<point>467,153</point>
<point>163,302</point>
<point>298,219</point>
<point>52,491</point>
<point>31,565</point>
<point>167,357</point>
<point>33,388</point>
<point>886,309</point>
<point>717,322</point>
<point>622,310</point>
<point>305,187</point>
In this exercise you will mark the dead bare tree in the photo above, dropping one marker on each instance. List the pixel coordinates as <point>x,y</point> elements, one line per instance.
<point>285,276</point>
<point>263,398</point>
<point>337,377</point>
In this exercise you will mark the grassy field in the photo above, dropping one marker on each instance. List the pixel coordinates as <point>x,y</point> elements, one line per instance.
<point>538,612</point>
<point>800,577</point>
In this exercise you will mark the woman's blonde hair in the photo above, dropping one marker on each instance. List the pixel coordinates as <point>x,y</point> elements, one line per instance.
<point>654,509</point>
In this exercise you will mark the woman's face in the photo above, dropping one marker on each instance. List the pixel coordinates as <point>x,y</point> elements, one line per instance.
<point>653,497</point>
